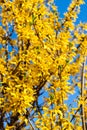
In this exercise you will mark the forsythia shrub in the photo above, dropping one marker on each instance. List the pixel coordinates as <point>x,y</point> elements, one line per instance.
<point>42,59</point>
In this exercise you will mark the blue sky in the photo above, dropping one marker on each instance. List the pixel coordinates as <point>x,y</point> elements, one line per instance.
<point>62,8</point>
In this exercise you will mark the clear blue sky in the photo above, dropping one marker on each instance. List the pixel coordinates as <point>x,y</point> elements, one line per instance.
<point>62,8</point>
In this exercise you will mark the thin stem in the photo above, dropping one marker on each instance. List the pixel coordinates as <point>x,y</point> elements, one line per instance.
<point>82,94</point>
<point>31,125</point>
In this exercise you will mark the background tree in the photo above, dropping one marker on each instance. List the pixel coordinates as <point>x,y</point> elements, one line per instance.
<point>42,57</point>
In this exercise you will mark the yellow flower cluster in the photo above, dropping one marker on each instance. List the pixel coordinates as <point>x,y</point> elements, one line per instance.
<point>43,56</point>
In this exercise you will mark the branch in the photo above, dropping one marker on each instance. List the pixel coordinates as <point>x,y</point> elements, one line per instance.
<point>76,112</point>
<point>28,44</point>
<point>31,125</point>
<point>82,95</point>
<point>14,71</point>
